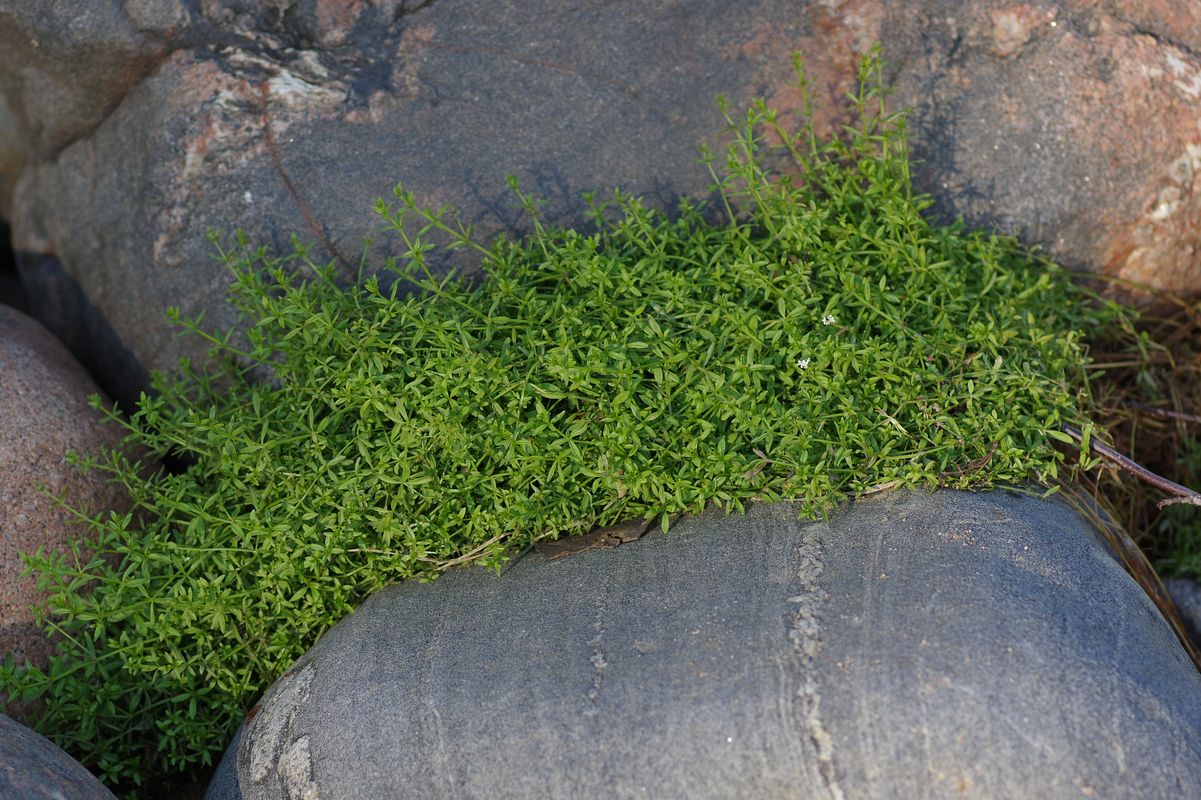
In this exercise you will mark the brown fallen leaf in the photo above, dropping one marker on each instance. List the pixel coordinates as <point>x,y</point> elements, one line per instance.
<point>595,539</point>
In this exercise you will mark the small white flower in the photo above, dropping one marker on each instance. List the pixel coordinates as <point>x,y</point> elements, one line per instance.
<point>828,319</point>
<point>802,363</point>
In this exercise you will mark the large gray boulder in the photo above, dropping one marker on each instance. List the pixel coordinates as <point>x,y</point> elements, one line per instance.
<point>33,768</point>
<point>136,125</point>
<point>913,645</point>
<point>1070,124</point>
<point>293,117</point>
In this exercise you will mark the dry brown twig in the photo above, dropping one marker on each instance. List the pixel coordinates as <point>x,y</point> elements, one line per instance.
<point>1154,411</point>
<point>1180,494</point>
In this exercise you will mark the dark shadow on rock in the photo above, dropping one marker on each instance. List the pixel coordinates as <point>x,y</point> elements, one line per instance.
<point>56,300</point>
<point>12,291</point>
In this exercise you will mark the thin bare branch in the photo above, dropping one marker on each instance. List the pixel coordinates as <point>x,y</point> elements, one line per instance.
<point>1191,500</point>
<point>1180,494</point>
<point>1154,411</point>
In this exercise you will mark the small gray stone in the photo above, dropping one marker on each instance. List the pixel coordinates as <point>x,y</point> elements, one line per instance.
<point>1186,595</point>
<point>913,645</point>
<point>32,768</point>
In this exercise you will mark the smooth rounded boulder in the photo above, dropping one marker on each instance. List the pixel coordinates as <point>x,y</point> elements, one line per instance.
<point>933,645</point>
<point>33,768</point>
<point>44,415</point>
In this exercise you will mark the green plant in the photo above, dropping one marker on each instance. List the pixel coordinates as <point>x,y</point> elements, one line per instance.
<point>819,340</point>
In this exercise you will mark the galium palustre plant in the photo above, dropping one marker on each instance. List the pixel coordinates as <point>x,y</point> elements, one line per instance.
<point>808,335</point>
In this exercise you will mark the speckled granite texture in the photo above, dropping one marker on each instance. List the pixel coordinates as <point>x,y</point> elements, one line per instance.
<point>43,415</point>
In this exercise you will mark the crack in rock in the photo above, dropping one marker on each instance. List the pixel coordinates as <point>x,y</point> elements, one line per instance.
<point>597,659</point>
<point>805,633</point>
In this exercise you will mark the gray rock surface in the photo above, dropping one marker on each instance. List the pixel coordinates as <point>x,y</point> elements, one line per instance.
<point>64,66</point>
<point>14,151</point>
<point>33,768</point>
<point>138,125</point>
<point>44,415</point>
<point>1186,595</point>
<point>913,645</point>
